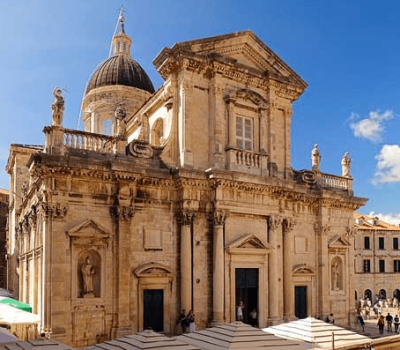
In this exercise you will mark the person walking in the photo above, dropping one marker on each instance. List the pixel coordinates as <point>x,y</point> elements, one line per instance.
<point>360,320</point>
<point>396,323</point>
<point>381,324</point>
<point>389,320</point>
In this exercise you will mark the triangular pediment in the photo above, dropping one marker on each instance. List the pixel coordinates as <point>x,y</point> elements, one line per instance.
<point>89,229</point>
<point>238,49</point>
<point>338,242</point>
<point>248,241</point>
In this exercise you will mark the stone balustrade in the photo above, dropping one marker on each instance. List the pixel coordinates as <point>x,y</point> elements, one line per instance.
<point>88,141</point>
<point>247,161</point>
<point>58,138</point>
<point>333,181</point>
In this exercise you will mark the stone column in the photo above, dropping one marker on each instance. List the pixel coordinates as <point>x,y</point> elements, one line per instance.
<point>218,219</point>
<point>46,312</point>
<point>185,219</point>
<point>275,229</point>
<point>287,112</point>
<point>323,270</point>
<point>288,289</point>
<point>122,217</point>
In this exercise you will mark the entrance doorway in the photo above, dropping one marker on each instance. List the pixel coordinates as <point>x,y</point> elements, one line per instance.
<point>153,309</point>
<point>246,282</point>
<point>300,296</point>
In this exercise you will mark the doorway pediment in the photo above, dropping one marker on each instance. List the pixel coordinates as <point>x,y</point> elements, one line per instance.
<point>338,242</point>
<point>248,244</point>
<point>89,229</point>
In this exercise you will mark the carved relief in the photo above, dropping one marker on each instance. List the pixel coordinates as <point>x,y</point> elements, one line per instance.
<point>322,229</point>
<point>141,149</point>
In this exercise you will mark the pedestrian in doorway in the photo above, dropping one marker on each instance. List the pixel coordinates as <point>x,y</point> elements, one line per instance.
<point>360,320</point>
<point>381,324</point>
<point>389,320</point>
<point>331,320</point>
<point>190,319</point>
<point>396,323</point>
<point>182,321</point>
<point>253,318</point>
<point>239,311</point>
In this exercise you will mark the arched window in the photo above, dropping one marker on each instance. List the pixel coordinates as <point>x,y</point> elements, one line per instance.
<point>382,294</point>
<point>368,294</point>
<point>157,132</point>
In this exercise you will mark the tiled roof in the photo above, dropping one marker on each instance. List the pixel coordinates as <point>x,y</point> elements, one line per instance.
<point>366,222</point>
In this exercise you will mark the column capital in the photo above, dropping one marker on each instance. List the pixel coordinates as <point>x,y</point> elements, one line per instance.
<point>274,222</point>
<point>123,213</point>
<point>321,229</point>
<point>185,217</point>
<point>288,224</point>
<point>218,217</point>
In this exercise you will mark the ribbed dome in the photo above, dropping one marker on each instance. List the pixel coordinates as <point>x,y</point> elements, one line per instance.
<point>120,70</point>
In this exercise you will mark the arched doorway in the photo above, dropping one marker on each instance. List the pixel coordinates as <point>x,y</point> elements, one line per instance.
<point>396,294</point>
<point>355,295</point>
<point>368,294</point>
<point>382,294</point>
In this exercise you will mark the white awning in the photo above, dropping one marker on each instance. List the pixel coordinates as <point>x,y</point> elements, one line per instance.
<point>11,315</point>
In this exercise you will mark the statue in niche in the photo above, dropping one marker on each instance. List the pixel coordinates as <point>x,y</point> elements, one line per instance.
<point>346,161</point>
<point>120,114</point>
<point>88,270</point>
<point>315,158</point>
<point>335,275</point>
<point>57,107</point>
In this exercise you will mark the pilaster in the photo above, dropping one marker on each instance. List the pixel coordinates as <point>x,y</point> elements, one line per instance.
<point>288,289</point>
<point>274,279</point>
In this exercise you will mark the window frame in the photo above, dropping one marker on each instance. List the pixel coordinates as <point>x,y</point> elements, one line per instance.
<point>381,243</point>
<point>367,246</point>
<point>381,266</point>
<point>367,266</point>
<point>241,140</point>
<point>395,243</point>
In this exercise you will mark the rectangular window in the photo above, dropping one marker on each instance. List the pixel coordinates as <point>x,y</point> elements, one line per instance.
<point>396,265</point>
<point>366,243</point>
<point>244,133</point>
<point>381,265</point>
<point>367,265</point>
<point>381,243</point>
<point>395,243</point>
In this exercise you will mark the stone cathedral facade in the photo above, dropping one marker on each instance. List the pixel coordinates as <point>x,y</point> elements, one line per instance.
<point>179,198</point>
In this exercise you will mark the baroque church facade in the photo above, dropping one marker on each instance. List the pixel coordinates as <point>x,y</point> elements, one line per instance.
<point>183,198</point>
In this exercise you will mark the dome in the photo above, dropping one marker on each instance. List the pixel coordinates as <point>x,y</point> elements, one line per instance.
<point>120,70</point>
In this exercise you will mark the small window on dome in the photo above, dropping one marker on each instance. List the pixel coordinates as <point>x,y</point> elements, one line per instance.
<point>124,47</point>
<point>118,46</point>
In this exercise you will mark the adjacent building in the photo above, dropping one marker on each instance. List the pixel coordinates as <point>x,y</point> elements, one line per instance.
<point>179,198</point>
<point>376,258</point>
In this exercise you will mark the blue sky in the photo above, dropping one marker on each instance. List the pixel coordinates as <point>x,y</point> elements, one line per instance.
<point>347,51</point>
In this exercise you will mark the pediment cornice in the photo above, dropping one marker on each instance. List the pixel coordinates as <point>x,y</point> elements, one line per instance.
<point>89,229</point>
<point>248,244</point>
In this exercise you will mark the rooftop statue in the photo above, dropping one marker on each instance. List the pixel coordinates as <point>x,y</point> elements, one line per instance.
<point>315,158</point>
<point>346,161</point>
<point>57,107</point>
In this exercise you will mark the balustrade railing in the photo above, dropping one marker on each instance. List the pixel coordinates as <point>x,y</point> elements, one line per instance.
<point>88,141</point>
<point>247,158</point>
<point>333,181</point>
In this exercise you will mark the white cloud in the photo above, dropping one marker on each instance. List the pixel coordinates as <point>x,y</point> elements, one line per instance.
<point>388,166</point>
<point>391,218</point>
<point>372,127</point>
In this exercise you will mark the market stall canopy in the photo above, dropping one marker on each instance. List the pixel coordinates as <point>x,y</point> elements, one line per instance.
<point>15,303</point>
<point>11,315</point>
